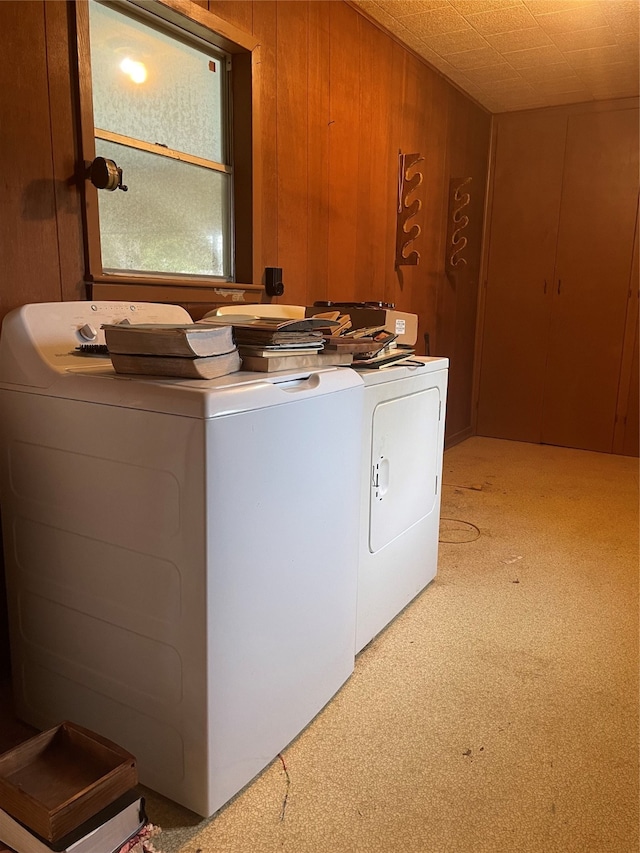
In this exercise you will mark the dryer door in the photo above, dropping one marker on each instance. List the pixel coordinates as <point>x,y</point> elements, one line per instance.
<point>404,464</point>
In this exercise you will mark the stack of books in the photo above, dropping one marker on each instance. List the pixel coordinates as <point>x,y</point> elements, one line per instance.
<point>268,344</point>
<point>370,346</point>
<point>68,790</point>
<point>190,351</point>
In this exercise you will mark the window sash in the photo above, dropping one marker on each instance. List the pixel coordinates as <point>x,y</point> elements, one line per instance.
<point>244,52</point>
<point>161,150</point>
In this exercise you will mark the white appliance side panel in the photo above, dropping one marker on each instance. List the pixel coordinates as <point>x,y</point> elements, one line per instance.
<point>104,529</point>
<point>404,464</point>
<point>283,497</point>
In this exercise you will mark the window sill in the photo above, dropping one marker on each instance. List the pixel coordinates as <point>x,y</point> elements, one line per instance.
<point>193,290</point>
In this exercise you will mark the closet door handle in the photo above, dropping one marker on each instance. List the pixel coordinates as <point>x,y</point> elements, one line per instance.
<point>545,285</point>
<point>559,285</point>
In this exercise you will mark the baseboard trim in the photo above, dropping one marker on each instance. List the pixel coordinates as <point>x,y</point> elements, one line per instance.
<point>457,437</point>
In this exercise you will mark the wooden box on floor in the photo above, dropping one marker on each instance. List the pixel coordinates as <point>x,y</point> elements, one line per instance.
<point>60,778</point>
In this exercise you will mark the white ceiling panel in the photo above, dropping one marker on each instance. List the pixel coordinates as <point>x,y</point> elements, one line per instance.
<point>518,54</point>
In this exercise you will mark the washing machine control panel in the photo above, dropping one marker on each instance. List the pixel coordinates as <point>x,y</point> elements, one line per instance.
<point>41,341</point>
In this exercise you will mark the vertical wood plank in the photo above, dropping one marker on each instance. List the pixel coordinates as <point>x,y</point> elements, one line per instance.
<point>66,157</point>
<point>524,219</point>
<point>397,144</point>
<point>29,257</point>
<point>318,153</point>
<point>375,196</point>
<point>236,12</point>
<point>264,28</point>
<point>245,84</point>
<point>593,259</point>
<point>458,292</point>
<point>344,93</point>
<point>292,30</point>
<point>434,142</point>
<point>408,107</point>
<point>477,166</point>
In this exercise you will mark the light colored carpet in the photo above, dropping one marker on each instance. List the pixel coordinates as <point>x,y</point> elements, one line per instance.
<point>499,711</point>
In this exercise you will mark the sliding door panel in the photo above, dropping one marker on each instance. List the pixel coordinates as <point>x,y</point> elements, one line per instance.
<point>591,282</point>
<point>524,223</point>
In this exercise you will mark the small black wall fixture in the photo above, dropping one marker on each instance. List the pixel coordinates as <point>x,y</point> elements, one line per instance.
<point>273,281</point>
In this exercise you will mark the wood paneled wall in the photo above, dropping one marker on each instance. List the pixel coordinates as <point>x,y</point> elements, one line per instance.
<point>338,100</point>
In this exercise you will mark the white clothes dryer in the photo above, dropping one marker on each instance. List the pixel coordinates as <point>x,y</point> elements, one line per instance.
<point>166,545</point>
<point>402,448</point>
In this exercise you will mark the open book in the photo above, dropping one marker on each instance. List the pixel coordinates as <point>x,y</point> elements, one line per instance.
<point>268,324</point>
<point>195,339</point>
<point>271,330</point>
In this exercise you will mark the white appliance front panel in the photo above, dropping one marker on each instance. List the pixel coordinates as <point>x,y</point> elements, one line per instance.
<point>410,436</point>
<point>283,553</point>
<point>186,587</point>
<point>404,464</point>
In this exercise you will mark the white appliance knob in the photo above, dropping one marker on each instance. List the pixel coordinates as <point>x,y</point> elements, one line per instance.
<point>88,332</point>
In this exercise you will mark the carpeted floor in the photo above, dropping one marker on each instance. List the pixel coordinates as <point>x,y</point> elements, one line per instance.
<point>499,712</point>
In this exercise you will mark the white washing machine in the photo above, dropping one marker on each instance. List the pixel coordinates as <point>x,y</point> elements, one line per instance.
<point>402,447</point>
<point>180,576</point>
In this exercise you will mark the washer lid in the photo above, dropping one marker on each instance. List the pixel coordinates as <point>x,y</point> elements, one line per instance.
<point>38,355</point>
<point>202,398</point>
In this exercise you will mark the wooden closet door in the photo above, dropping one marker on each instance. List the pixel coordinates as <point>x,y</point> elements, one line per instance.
<point>593,263</point>
<point>524,220</point>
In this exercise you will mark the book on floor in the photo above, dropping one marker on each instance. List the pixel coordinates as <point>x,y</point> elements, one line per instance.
<point>177,367</point>
<point>267,364</point>
<point>105,832</point>
<point>188,340</point>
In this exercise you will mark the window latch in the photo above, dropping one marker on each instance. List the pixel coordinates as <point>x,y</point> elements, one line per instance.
<point>106,175</point>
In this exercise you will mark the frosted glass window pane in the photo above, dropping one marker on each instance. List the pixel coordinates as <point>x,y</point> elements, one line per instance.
<point>179,104</point>
<point>173,218</point>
